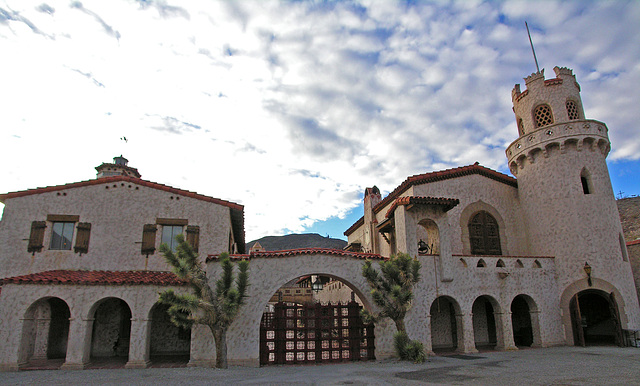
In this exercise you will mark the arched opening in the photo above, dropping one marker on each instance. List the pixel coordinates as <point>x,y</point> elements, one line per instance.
<point>111,331</point>
<point>428,237</point>
<point>45,333</point>
<point>484,234</point>
<point>315,319</point>
<point>542,115</point>
<point>521,322</point>
<point>169,343</point>
<point>595,319</point>
<point>500,263</point>
<point>445,324</point>
<point>519,264</point>
<point>585,181</point>
<point>536,264</point>
<point>481,263</point>
<point>484,324</point>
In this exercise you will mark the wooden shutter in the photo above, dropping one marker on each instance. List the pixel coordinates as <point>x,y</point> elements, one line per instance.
<point>82,238</point>
<point>36,238</point>
<point>193,236</point>
<point>149,239</point>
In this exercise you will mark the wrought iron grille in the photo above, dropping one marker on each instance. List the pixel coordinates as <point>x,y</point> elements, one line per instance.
<point>315,333</point>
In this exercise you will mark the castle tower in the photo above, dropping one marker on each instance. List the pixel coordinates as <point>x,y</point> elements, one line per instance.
<point>569,206</point>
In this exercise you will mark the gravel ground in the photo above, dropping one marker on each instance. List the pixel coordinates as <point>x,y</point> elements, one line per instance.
<point>548,366</point>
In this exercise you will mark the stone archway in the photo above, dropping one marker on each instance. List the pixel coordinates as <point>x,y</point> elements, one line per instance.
<point>485,325</point>
<point>315,319</point>
<point>446,325</point>
<point>595,319</point>
<point>524,322</point>
<point>45,331</point>
<point>111,332</point>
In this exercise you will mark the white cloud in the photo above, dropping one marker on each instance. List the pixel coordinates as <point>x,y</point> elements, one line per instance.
<point>293,108</point>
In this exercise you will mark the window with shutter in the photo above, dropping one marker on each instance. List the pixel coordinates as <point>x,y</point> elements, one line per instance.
<point>36,237</point>
<point>82,238</point>
<point>149,239</point>
<point>484,235</point>
<point>193,236</point>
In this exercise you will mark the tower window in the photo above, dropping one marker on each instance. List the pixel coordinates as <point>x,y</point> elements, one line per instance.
<point>520,126</point>
<point>572,110</point>
<point>585,179</point>
<point>543,116</point>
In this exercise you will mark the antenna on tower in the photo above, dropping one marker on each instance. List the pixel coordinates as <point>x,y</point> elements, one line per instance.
<point>532,49</point>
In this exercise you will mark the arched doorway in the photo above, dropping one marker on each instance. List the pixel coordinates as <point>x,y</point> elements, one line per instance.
<point>445,326</point>
<point>595,319</point>
<point>521,322</point>
<point>111,330</point>
<point>428,237</point>
<point>315,319</point>
<point>169,343</point>
<point>484,323</point>
<point>45,331</point>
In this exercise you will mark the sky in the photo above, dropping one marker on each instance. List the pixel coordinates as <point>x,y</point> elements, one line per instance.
<point>293,108</point>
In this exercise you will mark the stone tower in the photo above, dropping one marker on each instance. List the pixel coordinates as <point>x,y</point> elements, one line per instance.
<point>567,199</point>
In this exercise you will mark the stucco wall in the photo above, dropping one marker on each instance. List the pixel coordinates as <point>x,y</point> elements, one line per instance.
<point>117,216</point>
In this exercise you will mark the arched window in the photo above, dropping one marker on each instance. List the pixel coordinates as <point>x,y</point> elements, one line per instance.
<point>484,235</point>
<point>520,126</point>
<point>572,110</point>
<point>543,115</point>
<point>585,180</point>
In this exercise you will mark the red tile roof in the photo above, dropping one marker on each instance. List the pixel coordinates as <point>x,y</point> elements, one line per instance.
<point>447,203</point>
<point>110,180</point>
<point>301,251</point>
<point>634,242</point>
<point>97,278</point>
<point>237,210</point>
<point>426,178</point>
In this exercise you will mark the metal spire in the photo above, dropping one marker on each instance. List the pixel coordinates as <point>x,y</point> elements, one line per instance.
<point>532,49</point>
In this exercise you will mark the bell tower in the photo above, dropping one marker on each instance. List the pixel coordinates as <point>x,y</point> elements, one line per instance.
<point>564,189</point>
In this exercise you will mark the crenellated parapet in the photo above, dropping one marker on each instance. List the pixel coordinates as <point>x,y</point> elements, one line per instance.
<point>586,134</point>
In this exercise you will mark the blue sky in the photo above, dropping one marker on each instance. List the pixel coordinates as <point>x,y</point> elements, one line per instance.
<point>293,108</point>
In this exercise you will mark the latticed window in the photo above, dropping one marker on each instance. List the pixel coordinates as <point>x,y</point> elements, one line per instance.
<point>572,110</point>
<point>543,115</point>
<point>484,235</point>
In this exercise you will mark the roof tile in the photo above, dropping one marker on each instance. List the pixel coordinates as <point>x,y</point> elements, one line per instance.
<point>301,251</point>
<point>97,278</point>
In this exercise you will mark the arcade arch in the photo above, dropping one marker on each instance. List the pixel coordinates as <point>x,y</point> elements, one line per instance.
<point>111,330</point>
<point>485,328</point>
<point>168,342</point>
<point>45,331</point>
<point>446,324</point>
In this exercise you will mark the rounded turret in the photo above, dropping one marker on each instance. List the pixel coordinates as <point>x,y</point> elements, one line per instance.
<point>565,192</point>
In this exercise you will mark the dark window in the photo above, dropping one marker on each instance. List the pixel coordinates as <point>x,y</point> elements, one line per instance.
<point>61,235</point>
<point>82,238</point>
<point>149,239</point>
<point>484,235</point>
<point>543,116</point>
<point>585,185</point>
<point>36,237</point>
<point>572,110</point>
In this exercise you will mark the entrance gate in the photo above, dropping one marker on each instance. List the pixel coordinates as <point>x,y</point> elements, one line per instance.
<point>315,333</point>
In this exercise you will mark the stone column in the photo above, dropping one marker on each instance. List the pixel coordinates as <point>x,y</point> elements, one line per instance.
<point>446,260</point>
<point>79,344</point>
<point>203,349</point>
<point>466,340</point>
<point>504,331</point>
<point>139,344</point>
<point>428,343</point>
<point>535,329</point>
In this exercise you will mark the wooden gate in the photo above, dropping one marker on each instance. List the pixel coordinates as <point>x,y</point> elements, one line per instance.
<point>315,333</point>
